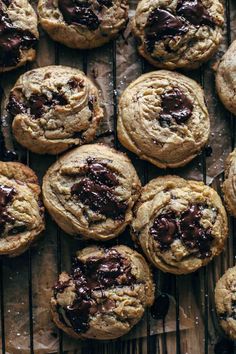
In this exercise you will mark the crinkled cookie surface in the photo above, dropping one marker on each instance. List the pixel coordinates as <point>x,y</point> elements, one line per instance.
<point>163,118</point>
<point>54,108</point>
<point>226,78</point>
<point>229,185</point>
<point>180,225</point>
<point>83,24</point>
<point>21,210</point>
<point>91,191</point>
<point>178,33</point>
<point>18,33</point>
<point>105,295</point>
<point>225,300</point>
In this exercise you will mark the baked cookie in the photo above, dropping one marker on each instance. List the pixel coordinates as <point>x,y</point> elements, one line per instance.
<point>163,118</point>
<point>229,185</point>
<point>18,33</point>
<point>178,33</point>
<point>105,295</point>
<point>21,210</point>
<point>91,191</point>
<point>226,78</point>
<point>180,224</point>
<point>83,24</point>
<point>225,300</point>
<point>54,108</point>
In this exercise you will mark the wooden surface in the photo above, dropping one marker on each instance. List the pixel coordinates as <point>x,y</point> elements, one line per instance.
<point>24,311</point>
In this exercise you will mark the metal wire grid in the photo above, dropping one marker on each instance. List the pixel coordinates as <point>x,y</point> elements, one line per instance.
<point>151,346</point>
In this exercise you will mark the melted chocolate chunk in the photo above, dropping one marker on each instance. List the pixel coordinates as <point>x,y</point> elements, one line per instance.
<point>165,230</point>
<point>162,24</point>
<point>195,12</point>
<point>37,104</point>
<point>6,197</point>
<point>186,227</point>
<point>160,307</point>
<point>175,105</point>
<point>96,274</point>
<point>13,40</point>
<point>17,230</point>
<point>99,198</point>
<point>107,3</point>
<point>98,172</point>
<point>96,191</point>
<point>224,346</point>
<point>78,12</point>
<point>14,106</point>
<point>74,83</point>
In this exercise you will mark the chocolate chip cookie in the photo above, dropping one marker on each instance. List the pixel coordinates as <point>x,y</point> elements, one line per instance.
<point>229,185</point>
<point>91,191</point>
<point>21,210</point>
<point>226,78</point>
<point>178,33</point>
<point>54,108</point>
<point>225,300</point>
<point>105,295</point>
<point>18,33</point>
<point>180,225</point>
<point>163,118</point>
<point>83,24</point>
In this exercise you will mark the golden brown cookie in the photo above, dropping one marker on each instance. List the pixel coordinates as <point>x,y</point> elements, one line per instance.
<point>54,108</point>
<point>91,191</point>
<point>83,24</point>
<point>229,185</point>
<point>105,295</point>
<point>225,300</point>
<point>21,210</point>
<point>163,118</point>
<point>18,33</point>
<point>178,33</point>
<point>226,78</point>
<point>180,224</point>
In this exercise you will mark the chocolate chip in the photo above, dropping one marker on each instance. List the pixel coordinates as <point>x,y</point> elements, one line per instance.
<point>95,274</point>
<point>7,2</point>
<point>13,40</point>
<point>175,105</point>
<point>160,307</point>
<point>162,24</point>
<point>78,12</point>
<point>195,12</point>
<point>37,104</point>
<point>17,230</point>
<point>14,106</point>
<point>74,83</point>
<point>6,196</point>
<point>169,226</point>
